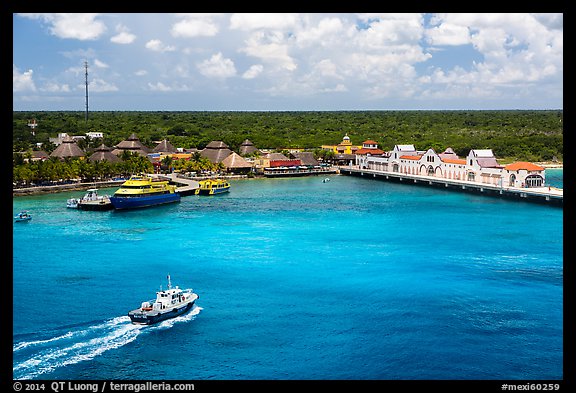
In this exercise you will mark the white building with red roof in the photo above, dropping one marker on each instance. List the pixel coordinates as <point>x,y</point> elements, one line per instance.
<point>480,166</point>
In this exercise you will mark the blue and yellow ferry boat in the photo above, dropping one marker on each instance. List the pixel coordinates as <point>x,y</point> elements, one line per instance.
<point>212,187</point>
<point>144,191</point>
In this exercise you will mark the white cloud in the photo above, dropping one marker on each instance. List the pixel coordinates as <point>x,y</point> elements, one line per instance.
<point>100,86</point>
<point>217,67</point>
<point>124,36</point>
<point>22,81</point>
<point>53,87</point>
<point>100,64</point>
<point>74,26</point>
<point>270,47</point>
<point>159,86</point>
<point>253,71</point>
<point>262,21</point>
<point>158,46</point>
<point>141,73</point>
<point>195,25</point>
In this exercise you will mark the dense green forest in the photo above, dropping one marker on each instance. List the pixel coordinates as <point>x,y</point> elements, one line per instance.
<point>527,135</point>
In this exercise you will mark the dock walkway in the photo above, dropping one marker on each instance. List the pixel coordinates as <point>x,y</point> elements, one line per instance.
<point>548,195</point>
<point>188,186</point>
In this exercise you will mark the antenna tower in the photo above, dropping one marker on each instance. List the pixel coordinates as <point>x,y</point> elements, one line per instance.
<point>86,76</point>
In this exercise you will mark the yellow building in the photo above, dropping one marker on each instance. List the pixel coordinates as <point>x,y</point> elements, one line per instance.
<point>345,147</point>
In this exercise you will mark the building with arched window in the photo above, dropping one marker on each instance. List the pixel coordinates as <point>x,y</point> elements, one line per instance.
<point>480,166</point>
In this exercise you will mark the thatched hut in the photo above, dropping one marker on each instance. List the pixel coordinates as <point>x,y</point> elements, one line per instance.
<point>165,147</point>
<point>236,164</point>
<point>306,157</point>
<point>132,144</point>
<point>103,153</point>
<point>247,147</point>
<point>68,148</point>
<point>216,151</point>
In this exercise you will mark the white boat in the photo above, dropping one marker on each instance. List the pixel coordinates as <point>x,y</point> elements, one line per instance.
<point>23,216</point>
<point>90,201</point>
<point>168,304</point>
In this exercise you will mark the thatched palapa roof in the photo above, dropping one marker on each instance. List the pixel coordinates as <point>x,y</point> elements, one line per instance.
<point>102,153</point>
<point>216,151</point>
<point>165,147</point>
<point>235,161</point>
<point>131,144</point>
<point>306,157</point>
<point>247,147</point>
<point>68,148</point>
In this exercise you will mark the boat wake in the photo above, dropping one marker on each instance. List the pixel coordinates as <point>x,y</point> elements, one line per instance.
<point>32,358</point>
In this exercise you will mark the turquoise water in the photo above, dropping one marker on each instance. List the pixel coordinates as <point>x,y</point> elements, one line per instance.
<point>353,279</point>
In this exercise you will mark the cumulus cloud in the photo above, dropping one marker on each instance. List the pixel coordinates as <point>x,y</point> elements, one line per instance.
<point>100,86</point>
<point>158,46</point>
<point>217,67</point>
<point>253,71</point>
<point>195,25</point>
<point>124,36</point>
<point>22,81</point>
<point>262,21</point>
<point>74,26</point>
<point>100,64</point>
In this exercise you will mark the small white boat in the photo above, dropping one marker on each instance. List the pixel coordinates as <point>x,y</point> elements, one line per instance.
<point>168,304</point>
<point>326,180</point>
<point>72,203</point>
<point>23,216</point>
<point>90,201</point>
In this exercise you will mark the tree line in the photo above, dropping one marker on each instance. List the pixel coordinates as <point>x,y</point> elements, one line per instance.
<point>513,135</point>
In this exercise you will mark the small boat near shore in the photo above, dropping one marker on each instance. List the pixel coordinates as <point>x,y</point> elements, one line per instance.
<point>144,191</point>
<point>213,187</point>
<point>168,304</point>
<point>23,216</point>
<point>90,201</point>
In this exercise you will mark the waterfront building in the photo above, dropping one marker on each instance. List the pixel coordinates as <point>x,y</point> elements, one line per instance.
<point>344,147</point>
<point>480,166</point>
<point>235,163</point>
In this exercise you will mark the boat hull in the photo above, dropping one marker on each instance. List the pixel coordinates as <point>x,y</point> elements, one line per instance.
<point>143,201</point>
<point>139,317</point>
<point>213,191</point>
<point>95,205</point>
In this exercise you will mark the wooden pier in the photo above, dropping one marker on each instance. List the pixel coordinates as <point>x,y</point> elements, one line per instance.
<point>547,195</point>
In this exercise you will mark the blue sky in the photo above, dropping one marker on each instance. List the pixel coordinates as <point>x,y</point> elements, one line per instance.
<point>288,62</point>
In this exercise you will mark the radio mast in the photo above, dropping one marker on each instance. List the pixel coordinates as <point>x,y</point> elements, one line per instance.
<point>86,75</point>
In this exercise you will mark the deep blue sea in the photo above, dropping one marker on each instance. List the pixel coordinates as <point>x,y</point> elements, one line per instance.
<point>352,279</point>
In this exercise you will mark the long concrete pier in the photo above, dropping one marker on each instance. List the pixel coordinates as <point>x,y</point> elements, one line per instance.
<point>187,186</point>
<point>547,195</point>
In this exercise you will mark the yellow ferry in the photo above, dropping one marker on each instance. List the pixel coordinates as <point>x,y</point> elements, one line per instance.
<point>144,191</point>
<point>212,187</point>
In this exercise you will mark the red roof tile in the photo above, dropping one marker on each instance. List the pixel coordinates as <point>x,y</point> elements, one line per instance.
<point>523,165</point>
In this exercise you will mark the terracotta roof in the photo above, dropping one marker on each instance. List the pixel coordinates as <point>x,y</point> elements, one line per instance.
<point>375,152</point>
<point>369,142</point>
<point>411,157</point>
<point>523,165</point>
<point>454,161</point>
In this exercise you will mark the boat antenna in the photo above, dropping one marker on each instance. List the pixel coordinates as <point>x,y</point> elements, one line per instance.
<point>169,284</point>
